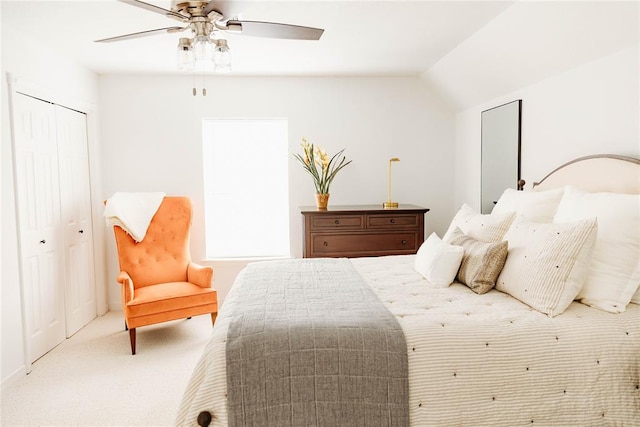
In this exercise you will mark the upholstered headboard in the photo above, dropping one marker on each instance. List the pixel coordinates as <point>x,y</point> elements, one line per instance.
<point>599,173</point>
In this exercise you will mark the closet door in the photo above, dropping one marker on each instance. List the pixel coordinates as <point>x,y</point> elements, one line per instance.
<point>38,214</point>
<point>75,210</point>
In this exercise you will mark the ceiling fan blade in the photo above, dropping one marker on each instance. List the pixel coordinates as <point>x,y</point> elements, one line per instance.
<point>142,34</point>
<point>228,9</point>
<point>157,9</point>
<point>275,30</point>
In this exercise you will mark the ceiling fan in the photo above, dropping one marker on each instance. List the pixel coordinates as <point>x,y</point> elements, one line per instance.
<point>206,20</point>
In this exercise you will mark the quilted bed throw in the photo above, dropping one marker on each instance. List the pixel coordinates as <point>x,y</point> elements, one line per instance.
<point>311,344</point>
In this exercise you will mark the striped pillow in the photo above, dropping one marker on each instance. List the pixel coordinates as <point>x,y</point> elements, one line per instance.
<point>547,262</point>
<point>481,262</point>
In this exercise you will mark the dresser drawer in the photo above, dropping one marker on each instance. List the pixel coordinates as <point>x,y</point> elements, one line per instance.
<point>364,244</point>
<point>329,222</point>
<point>392,221</point>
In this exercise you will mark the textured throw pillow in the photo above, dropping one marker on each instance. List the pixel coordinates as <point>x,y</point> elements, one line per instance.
<point>437,261</point>
<point>538,206</point>
<point>547,262</point>
<point>481,263</point>
<point>486,228</point>
<point>614,271</point>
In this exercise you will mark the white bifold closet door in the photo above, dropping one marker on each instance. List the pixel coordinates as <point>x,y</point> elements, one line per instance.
<point>54,222</point>
<point>75,213</point>
<point>38,201</point>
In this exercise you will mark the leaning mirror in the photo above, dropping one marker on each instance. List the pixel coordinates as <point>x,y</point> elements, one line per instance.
<point>500,158</point>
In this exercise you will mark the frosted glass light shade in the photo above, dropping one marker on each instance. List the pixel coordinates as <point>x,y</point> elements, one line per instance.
<point>222,56</point>
<point>203,48</point>
<point>185,55</point>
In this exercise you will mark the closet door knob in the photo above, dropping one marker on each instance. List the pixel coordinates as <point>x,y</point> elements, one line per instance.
<point>80,231</point>
<point>43,241</point>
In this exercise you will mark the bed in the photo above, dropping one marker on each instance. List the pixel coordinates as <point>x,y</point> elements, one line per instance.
<point>503,356</point>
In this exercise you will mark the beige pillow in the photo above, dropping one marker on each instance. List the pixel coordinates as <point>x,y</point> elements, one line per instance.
<point>481,262</point>
<point>486,228</point>
<point>547,262</point>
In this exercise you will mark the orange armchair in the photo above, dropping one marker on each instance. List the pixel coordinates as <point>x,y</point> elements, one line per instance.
<point>159,281</point>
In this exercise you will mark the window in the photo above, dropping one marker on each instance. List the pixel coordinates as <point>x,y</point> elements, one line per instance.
<point>246,188</point>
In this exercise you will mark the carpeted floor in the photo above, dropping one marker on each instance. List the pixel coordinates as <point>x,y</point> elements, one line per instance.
<point>91,379</point>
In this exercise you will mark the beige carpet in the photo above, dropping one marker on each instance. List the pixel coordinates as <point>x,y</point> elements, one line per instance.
<point>91,379</point>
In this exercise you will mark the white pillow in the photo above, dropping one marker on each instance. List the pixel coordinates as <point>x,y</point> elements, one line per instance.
<point>614,272</point>
<point>547,262</point>
<point>437,261</point>
<point>486,228</point>
<point>538,206</point>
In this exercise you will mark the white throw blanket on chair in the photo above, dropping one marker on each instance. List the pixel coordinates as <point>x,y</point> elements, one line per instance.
<point>132,212</point>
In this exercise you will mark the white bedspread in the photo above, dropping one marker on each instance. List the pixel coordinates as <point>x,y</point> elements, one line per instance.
<point>480,359</point>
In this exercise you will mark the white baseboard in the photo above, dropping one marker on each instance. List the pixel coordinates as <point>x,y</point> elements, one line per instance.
<point>115,305</point>
<point>13,378</point>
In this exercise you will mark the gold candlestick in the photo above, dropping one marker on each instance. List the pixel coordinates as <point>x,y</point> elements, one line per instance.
<point>389,204</point>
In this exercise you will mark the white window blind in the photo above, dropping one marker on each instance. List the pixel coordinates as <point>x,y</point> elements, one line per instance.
<point>246,188</point>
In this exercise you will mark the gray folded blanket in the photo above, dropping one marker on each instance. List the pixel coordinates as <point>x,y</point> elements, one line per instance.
<point>311,344</point>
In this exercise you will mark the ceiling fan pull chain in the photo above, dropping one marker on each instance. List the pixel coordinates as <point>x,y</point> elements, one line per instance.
<point>204,84</point>
<point>194,82</point>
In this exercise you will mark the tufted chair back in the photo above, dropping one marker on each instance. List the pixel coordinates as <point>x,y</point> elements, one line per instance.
<point>163,255</point>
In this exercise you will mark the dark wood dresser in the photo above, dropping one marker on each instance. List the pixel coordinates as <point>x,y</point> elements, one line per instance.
<point>362,230</point>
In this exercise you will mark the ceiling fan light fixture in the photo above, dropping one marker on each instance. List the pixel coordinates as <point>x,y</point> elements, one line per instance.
<point>222,56</point>
<point>185,54</point>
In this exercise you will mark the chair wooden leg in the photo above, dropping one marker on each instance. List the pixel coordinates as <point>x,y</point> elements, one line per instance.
<point>213,317</point>
<point>132,338</point>
<point>126,328</point>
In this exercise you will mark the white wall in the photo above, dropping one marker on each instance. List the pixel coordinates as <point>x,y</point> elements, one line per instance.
<point>152,141</point>
<point>591,109</point>
<point>51,76</point>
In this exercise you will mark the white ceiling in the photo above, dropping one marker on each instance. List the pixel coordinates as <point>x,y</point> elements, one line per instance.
<point>469,51</point>
<point>361,37</point>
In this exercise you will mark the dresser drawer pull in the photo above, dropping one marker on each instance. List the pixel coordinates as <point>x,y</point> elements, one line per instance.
<point>404,242</point>
<point>325,243</point>
<point>392,221</point>
<point>337,221</point>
